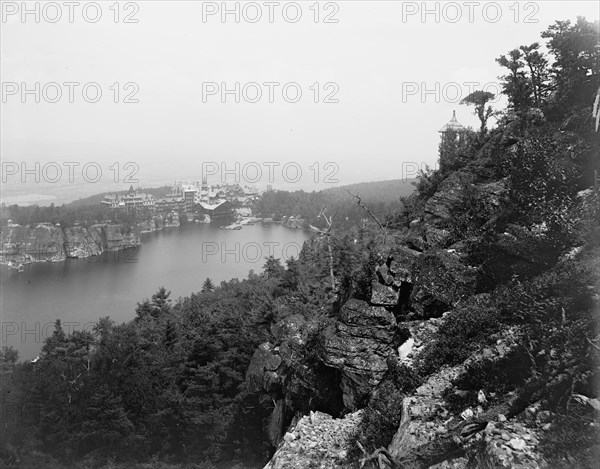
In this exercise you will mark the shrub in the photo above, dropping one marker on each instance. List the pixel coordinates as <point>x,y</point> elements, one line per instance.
<point>469,215</point>
<point>428,182</point>
<point>498,376</point>
<point>542,181</point>
<point>461,333</point>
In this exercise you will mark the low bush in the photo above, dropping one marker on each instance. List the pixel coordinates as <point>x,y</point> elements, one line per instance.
<point>491,376</point>
<point>461,333</point>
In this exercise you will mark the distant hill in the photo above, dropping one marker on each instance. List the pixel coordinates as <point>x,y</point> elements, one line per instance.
<point>382,198</point>
<point>383,191</point>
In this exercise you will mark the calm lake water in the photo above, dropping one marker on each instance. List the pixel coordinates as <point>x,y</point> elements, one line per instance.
<point>79,291</point>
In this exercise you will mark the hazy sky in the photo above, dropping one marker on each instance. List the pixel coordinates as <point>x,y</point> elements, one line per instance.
<point>378,58</point>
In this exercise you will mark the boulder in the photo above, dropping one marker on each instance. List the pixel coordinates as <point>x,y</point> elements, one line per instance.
<point>384,295</point>
<point>261,373</point>
<point>404,263</point>
<point>437,238</point>
<point>288,328</point>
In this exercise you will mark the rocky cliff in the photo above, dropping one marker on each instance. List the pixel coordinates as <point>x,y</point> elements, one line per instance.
<point>358,344</point>
<point>471,298</point>
<point>48,243</point>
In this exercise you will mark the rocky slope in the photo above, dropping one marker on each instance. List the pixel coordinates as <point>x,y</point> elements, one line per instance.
<point>487,408</point>
<point>316,440</point>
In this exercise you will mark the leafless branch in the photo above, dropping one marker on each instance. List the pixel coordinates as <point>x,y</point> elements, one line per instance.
<point>366,209</point>
<point>327,234</point>
<point>592,343</point>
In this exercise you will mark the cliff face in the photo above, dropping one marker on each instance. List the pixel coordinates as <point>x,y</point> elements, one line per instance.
<point>118,236</point>
<point>332,369</point>
<point>289,380</point>
<point>82,242</point>
<point>46,242</point>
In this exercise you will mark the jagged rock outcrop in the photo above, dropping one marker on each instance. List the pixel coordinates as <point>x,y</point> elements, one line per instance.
<point>405,261</point>
<point>393,284</point>
<point>433,230</point>
<point>358,344</point>
<point>266,376</point>
<point>437,237</point>
<point>288,379</point>
<point>293,376</point>
<point>317,440</point>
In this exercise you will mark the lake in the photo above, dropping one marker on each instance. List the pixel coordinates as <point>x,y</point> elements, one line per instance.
<point>79,291</point>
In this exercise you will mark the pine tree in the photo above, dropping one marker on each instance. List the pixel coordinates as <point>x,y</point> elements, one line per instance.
<point>208,286</point>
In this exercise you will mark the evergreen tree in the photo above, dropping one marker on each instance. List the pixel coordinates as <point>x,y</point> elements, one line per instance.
<point>479,99</point>
<point>272,267</point>
<point>208,286</point>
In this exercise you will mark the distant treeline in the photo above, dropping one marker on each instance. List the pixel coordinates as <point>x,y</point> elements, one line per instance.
<point>66,215</point>
<point>381,198</point>
<point>88,210</point>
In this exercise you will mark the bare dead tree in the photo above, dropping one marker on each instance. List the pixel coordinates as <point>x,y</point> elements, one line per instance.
<point>327,234</point>
<point>366,209</point>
